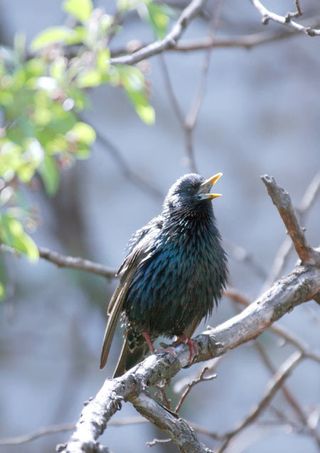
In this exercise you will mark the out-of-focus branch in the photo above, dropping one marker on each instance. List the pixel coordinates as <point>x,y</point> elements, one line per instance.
<point>133,176</point>
<point>202,377</point>
<point>268,15</point>
<point>274,385</point>
<point>276,328</point>
<point>188,122</point>
<point>181,434</point>
<point>282,201</point>
<point>170,40</point>
<point>71,262</point>
<point>41,432</point>
<point>239,253</point>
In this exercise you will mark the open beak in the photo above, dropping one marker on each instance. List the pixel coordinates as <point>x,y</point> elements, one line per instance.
<point>204,190</point>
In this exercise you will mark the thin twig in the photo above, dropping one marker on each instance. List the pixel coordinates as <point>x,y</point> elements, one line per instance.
<point>244,256</point>
<point>268,15</point>
<point>125,168</point>
<point>273,386</point>
<point>200,378</point>
<point>246,42</point>
<point>170,40</point>
<point>61,428</point>
<point>71,262</point>
<point>188,122</point>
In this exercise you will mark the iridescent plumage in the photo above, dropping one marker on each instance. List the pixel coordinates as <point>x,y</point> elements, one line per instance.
<point>173,275</point>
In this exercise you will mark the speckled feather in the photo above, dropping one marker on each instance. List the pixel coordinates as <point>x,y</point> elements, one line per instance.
<point>174,273</point>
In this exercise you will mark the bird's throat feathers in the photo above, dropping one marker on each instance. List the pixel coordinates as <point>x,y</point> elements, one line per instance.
<point>182,218</point>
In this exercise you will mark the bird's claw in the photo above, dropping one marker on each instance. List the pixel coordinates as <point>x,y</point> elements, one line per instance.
<point>192,345</point>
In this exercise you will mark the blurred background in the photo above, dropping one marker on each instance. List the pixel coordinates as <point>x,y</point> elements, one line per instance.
<point>260,114</point>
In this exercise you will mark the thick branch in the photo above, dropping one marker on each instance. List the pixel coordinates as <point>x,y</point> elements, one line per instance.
<point>311,194</point>
<point>299,286</point>
<point>170,40</point>
<point>178,429</point>
<point>282,201</point>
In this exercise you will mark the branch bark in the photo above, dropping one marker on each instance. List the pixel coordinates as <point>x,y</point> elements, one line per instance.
<point>71,262</point>
<point>268,15</point>
<point>169,41</point>
<point>296,288</point>
<point>179,431</point>
<point>282,201</point>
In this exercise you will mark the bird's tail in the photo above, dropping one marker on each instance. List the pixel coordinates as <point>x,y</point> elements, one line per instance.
<point>129,356</point>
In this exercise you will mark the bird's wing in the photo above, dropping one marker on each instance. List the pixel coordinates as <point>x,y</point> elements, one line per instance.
<point>136,252</point>
<point>139,250</point>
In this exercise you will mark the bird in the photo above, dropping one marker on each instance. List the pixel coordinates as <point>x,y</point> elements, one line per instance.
<point>173,275</point>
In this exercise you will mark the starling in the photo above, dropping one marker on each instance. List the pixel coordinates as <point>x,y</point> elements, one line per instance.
<point>174,273</point>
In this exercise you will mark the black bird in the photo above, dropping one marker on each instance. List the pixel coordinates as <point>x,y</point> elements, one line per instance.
<point>173,275</point>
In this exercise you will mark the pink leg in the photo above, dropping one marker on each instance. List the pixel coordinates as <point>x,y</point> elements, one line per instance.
<point>146,336</point>
<point>192,345</point>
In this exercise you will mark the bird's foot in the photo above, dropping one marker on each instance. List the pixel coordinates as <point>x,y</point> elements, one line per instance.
<point>147,338</point>
<point>165,348</point>
<point>192,345</point>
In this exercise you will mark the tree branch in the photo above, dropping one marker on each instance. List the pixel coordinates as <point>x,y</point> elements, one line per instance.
<point>280,261</point>
<point>71,262</point>
<point>179,431</point>
<point>169,41</point>
<point>274,385</point>
<point>268,15</point>
<point>296,288</point>
<point>282,201</point>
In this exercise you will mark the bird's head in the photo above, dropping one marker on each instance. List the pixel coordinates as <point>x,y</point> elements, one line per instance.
<point>191,191</point>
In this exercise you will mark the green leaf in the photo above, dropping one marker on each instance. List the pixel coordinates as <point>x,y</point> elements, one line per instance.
<point>12,234</point>
<point>2,291</point>
<point>132,80</point>
<point>83,133</point>
<point>80,9</point>
<point>50,174</point>
<point>56,35</point>
<point>146,113</point>
<point>126,5</point>
<point>88,79</point>
<point>159,17</point>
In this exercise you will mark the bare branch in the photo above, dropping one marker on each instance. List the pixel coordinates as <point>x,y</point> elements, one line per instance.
<point>200,378</point>
<point>41,432</point>
<point>71,262</point>
<point>178,429</point>
<point>188,122</point>
<point>170,40</point>
<point>130,174</point>
<point>299,286</point>
<point>282,201</point>
<point>286,392</point>
<point>274,385</point>
<point>276,328</point>
<point>268,15</point>
<point>241,254</point>
<point>280,261</point>
<point>248,41</point>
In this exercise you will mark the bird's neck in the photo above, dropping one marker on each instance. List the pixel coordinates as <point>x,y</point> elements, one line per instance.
<point>186,220</point>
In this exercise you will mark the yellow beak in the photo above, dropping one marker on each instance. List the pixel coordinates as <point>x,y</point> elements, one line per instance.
<point>204,190</point>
